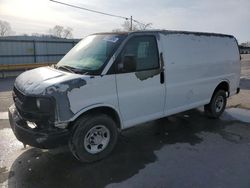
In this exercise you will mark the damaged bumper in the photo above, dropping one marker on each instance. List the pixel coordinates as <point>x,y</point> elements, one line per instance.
<point>40,138</point>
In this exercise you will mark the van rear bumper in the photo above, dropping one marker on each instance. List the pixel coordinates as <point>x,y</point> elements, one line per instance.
<point>40,138</point>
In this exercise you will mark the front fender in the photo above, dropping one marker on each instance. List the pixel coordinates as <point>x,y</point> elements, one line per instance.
<point>95,106</point>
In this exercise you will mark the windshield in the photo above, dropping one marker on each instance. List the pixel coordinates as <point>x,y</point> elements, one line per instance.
<point>91,54</point>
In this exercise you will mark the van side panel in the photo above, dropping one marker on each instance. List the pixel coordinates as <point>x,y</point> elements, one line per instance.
<point>195,65</point>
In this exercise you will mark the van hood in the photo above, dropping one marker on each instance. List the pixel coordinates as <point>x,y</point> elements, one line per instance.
<point>37,81</point>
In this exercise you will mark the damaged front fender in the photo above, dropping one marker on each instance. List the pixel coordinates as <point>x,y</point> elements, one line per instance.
<point>49,82</point>
<point>60,93</point>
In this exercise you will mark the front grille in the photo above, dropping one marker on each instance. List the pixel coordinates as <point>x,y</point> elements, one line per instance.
<point>23,102</point>
<point>18,94</point>
<point>26,107</point>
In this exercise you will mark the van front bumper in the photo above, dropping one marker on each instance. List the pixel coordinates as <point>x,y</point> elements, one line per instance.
<point>50,137</point>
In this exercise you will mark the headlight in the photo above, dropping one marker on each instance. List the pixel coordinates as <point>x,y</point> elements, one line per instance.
<point>44,104</point>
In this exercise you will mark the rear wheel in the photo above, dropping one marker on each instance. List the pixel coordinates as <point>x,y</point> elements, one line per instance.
<point>93,137</point>
<point>217,104</point>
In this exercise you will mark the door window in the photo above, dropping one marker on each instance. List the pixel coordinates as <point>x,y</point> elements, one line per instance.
<point>139,53</point>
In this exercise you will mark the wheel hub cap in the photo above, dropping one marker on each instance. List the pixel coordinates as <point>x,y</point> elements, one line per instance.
<point>96,139</point>
<point>219,103</point>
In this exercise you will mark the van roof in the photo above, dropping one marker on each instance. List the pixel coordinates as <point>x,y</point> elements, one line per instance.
<point>171,32</point>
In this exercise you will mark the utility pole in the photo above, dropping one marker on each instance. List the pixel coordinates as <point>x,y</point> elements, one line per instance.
<point>99,12</point>
<point>131,23</point>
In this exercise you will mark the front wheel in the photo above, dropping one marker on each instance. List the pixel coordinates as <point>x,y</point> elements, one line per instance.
<point>217,104</point>
<point>93,137</point>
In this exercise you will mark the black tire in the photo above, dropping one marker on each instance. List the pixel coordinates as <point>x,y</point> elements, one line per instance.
<point>82,127</point>
<point>212,109</point>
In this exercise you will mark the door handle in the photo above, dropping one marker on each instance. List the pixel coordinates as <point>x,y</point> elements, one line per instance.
<point>162,76</point>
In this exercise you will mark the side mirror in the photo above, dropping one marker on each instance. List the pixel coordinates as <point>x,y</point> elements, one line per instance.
<point>128,64</point>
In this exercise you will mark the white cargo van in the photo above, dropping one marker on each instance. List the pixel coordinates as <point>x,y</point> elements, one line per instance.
<point>112,81</point>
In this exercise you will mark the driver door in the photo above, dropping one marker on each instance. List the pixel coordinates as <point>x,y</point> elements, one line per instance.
<point>140,81</point>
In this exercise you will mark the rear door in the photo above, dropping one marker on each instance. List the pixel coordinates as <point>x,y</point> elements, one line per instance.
<point>141,92</point>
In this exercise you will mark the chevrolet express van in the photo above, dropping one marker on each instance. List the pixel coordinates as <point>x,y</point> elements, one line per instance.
<point>112,81</point>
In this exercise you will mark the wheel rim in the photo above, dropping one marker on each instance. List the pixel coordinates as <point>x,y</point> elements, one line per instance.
<point>219,103</point>
<point>96,139</point>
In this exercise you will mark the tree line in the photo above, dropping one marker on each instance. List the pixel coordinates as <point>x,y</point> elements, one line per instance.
<point>59,31</point>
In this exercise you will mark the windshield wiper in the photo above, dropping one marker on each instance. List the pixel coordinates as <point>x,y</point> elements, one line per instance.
<point>67,68</point>
<point>72,69</point>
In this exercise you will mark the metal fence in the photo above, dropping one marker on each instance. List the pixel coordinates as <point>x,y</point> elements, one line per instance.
<point>26,51</point>
<point>244,49</point>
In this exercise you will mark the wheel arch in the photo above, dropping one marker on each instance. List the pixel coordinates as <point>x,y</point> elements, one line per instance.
<point>223,85</point>
<point>100,108</point>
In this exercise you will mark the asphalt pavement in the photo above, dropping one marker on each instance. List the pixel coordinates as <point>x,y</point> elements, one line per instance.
<point>184,150</point>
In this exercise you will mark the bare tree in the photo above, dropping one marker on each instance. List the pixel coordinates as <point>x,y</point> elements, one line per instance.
<point>5,28</point>
<point>143,26</point>
<point>57,31</point>
<point>126,26</point>
<point>67,32</point>
<point>135,27</point>
<point>61,32</point>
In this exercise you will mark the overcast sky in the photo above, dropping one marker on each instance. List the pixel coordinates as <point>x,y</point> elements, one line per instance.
<point>221,16</point>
